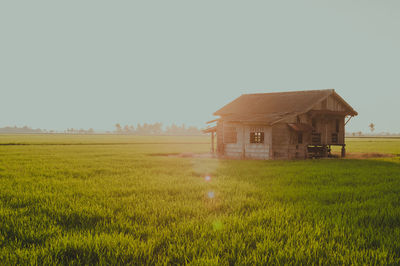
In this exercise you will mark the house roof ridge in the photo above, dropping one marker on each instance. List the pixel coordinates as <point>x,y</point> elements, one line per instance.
<point>290,92</point>
<point>282,103</point>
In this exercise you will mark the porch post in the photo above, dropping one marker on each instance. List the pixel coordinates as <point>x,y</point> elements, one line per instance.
<point>212,142</point>
<point>343,150</point>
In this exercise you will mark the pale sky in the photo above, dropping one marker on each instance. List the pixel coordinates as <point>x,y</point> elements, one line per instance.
<point>91,64</point>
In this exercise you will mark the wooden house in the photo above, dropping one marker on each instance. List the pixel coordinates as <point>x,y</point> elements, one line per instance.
<point>283,125</point>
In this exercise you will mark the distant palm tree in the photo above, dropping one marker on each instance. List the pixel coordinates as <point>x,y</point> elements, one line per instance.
<point>372,127</point>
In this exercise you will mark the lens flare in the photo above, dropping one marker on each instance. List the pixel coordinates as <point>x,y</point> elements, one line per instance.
<point>207,178</point>
<point>211,194</point>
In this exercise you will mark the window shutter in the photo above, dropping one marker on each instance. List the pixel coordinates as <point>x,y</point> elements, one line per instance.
<point>252,137</point>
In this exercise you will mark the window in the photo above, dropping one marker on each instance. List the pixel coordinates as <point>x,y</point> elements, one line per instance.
<point>300,138</point>
<point>230,135</point>
<point>257,137</point>
<point>315,138</point>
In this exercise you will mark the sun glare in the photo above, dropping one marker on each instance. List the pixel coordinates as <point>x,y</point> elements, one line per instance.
<point>211,194</point>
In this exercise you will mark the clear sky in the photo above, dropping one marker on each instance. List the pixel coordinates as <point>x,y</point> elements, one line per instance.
<point>85,64</point>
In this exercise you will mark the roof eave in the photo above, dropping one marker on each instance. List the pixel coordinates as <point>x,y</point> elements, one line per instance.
<point>353,112</point>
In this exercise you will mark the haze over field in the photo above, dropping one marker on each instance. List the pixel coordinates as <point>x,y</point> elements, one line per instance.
<point>91,64</point>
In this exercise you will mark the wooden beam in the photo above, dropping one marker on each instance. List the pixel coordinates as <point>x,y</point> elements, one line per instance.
<point>212,142</point>
<point>243,142</point>
<point>348,120</point>
<point>328,112</point>
<point>212,121</point>
<point>210,129</point>
<point>284,118</point>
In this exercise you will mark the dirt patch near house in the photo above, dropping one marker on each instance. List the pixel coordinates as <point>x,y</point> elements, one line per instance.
<point>369,155</point>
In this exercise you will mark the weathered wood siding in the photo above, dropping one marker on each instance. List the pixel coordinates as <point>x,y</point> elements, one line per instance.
<point>234,150</point>
<point>332,104</point>
<point>326,125</point>
<point>220,138</point>
<point>243,149</point>
<point>258,150</point>
<point>285,143</point>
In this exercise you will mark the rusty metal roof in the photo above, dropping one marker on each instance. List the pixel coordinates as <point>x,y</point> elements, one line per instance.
<point>259,118</point>
<point>271,107</point>
<point>300,127</point>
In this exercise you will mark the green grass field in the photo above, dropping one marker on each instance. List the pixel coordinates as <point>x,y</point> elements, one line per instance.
<point>116,200</point>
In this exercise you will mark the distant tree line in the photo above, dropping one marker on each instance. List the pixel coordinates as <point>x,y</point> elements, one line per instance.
<point>139,129</point>
<point>79,131</point>
<point>366,134</point>
<point>156,129</point>
<point>24,129</point>
<point>372,129</point>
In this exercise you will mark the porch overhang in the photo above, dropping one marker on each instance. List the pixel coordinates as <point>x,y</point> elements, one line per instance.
<point>210,129</point>
<point>300,127</point>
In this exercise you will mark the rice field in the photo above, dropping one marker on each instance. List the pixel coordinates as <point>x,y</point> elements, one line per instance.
<point>106,199</point>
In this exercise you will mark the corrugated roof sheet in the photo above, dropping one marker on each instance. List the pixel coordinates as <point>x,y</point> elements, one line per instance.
<point>271,107</point>
<point>300,127</point>
<point>265,118</point>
